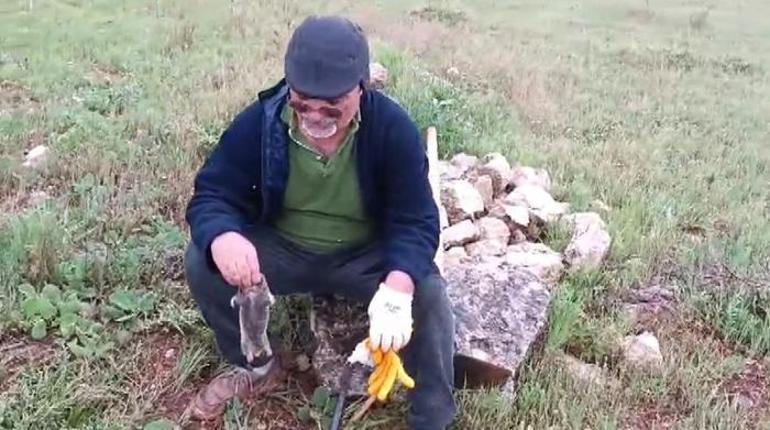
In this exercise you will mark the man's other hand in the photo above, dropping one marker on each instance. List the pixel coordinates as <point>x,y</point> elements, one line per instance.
<point>236,259</point>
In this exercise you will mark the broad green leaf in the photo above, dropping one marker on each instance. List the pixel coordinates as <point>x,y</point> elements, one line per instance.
<point>125,300</point>
<point>78,350</point>
<point>111,312</point>
<point>304,415</point>
<point>27,290</point>
<point>52,292</point>
<point>38,306</point>
<point>67,324</point>
<point>69,306</point>
<point>146,302</point>
<point>38,329</point>
<point>320,397</point>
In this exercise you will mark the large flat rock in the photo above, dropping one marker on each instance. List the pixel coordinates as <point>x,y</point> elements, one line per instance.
<point>501,314</point>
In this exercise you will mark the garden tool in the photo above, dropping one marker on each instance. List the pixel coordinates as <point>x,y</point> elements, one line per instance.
<point>253,304</point>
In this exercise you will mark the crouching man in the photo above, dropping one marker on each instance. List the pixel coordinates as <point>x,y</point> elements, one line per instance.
<point>321,186</point>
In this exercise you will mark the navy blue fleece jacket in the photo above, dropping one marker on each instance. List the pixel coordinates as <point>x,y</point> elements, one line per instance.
<point>243,180</point>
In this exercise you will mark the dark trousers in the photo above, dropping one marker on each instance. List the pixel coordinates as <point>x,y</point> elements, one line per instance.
<point>354,273</point>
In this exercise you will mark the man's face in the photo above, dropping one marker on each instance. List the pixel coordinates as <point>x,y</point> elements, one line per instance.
<point>322,119</point>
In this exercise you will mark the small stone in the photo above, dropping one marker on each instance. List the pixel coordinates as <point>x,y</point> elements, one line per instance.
<point>454,256</point>
<point>601,206</point>
<point>378,75</point>
<point>590,240</point>
<point>538,259</point>
<point>460,234</point>
<point>170,353</point>
<point>464,162</point>
<point>497,167</point>
<point>303,362</point>
<point>37,197</point>
<point>36,157</point>
<point>486,189</point>
<point>487,248</point>
<point>523,175</point>
<point>493,229</point>
<point>583,373</point>
<point>518,236</point>
<point>462,201</point>
<point>642,353</point>
<point>539,202</point>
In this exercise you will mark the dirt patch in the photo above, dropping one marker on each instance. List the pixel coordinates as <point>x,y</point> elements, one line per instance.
<point>276,409</point>
<point>642,16</point>
<point>653,416</point>
<point>749,390</point>
<point>16,97</point>
<point>104,74</point>
<point>447,16</point>
<point>17,352</point>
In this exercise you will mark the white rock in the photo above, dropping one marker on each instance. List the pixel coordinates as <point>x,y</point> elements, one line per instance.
<point>454,256</point>
<point>464,162</point>
<point>443,218</point>
<point>537,259</point>
<point>378,75</point>
<point>590,240</point>
<point>460,234</point>
<point>448,171</point>
<point>642,352</point>
<point>493,229</point>
<point>462,200</point>
<point>583,373</point>
<point>524,175</point>
<point>540,203</point>
<point>485,187</point>
<point>486,248</point>
<point>497,167</point>
<point>36,157</point>
<point>519,215</point>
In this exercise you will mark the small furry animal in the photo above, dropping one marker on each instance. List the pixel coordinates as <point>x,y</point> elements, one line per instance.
<point>253,305</point>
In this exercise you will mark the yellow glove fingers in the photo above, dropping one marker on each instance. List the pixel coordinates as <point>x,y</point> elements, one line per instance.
<point>404,377</point>
<point>390,379</point>
<point>378,376</point>
<point>377,356</point>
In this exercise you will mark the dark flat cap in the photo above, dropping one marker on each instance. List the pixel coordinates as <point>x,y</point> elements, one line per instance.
<point>327,56</point>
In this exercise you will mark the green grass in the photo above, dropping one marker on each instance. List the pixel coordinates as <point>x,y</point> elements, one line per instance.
<point>654,108</point>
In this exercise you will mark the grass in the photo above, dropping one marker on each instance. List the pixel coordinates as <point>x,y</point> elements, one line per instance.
<point>658,109</point>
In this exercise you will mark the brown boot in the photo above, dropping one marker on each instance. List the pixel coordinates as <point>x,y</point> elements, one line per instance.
<point>239,382</point>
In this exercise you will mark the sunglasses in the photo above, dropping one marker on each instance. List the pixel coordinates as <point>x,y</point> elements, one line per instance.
<point>303,107</point>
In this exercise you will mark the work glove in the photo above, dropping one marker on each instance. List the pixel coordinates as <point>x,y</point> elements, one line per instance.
<point>390,319</point>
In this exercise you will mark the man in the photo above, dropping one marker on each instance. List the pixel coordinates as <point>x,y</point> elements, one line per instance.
<point>321,186</point>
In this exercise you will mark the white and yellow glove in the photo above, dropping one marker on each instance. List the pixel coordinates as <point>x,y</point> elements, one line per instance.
<point>390,319</point>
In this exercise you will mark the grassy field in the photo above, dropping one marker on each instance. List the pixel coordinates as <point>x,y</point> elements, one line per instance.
<point>658,109</point>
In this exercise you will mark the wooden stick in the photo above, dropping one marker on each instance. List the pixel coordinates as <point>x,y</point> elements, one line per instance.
<point>365,407</point>
<point>434,179</point>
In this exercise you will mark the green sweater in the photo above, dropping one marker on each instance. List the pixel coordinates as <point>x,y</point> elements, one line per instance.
<point>322,207</point>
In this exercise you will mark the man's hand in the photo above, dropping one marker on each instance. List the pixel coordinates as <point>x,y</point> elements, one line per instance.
<point>390,318</point>
<point>236,259</point>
